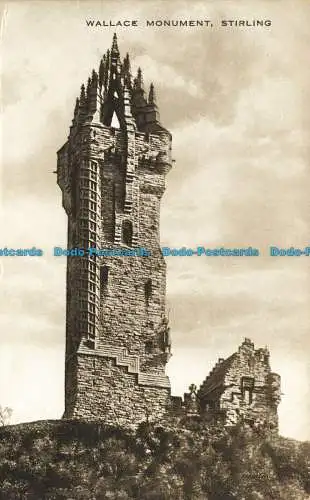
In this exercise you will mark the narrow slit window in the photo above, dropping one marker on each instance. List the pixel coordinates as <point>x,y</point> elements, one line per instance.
<point>127,233</point>
<point>148,291</point>
<point>104,277</point>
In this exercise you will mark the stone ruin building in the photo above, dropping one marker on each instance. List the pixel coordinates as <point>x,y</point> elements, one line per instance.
<point>112,173</point>
<point>242,387</point>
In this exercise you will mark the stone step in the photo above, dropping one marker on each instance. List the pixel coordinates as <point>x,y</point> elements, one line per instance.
<point>153,380</point>
<point>130,361</point>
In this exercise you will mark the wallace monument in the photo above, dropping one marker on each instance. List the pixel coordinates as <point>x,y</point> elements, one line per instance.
<point>112,173</point>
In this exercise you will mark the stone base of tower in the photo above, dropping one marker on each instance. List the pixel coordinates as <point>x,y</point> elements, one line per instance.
<point>104,389</point>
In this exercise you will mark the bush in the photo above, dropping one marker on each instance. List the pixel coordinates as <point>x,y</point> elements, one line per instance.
<point>81,460</point>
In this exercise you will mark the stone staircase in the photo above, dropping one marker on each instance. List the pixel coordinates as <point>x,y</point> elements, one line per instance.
<point>129,361</point>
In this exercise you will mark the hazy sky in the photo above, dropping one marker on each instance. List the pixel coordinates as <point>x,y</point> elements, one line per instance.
<point>237,103</point>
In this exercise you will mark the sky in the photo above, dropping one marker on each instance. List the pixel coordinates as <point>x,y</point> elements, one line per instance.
<point>236,102</point>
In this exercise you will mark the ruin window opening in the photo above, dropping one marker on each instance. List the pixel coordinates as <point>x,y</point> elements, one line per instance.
<point>247,388</point>
<point>248,396</point>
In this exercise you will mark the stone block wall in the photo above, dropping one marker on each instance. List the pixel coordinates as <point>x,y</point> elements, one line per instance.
<point>105,390</point>
<point>244,387</point>
<point>117,335</point>
<point>110,177</point>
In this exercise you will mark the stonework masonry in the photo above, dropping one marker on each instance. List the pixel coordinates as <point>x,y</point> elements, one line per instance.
<point>112,173</point>
<point>243,387</point>
<point>112,179</point>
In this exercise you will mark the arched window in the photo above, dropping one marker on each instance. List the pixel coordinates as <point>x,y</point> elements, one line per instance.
<point>127,232</point>
<point>148,291</point>
<point>104,276</point>
<point>115,121</point>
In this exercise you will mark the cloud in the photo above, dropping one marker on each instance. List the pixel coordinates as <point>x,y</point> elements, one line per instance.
<point>166,76</point>
<point>33,305</point>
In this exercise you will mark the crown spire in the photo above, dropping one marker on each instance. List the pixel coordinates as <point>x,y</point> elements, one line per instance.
<point>112,87</point>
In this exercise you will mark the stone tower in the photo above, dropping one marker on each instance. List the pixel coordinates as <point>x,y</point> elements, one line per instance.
<point>112,172</point>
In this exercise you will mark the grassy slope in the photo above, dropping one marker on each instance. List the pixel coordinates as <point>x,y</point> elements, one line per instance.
<point>80,460</point>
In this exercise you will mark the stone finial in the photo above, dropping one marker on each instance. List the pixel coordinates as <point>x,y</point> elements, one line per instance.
<point>139,80</point>
<point>192,389</point>
<point>82,105</point>
<point>114,49</point>
<point>88,87</point>
<point>126,64</point>
<point>247,345</point>
<point>82,95</point>
<point>191,400</point>
<point>94,78</point>
<point>247,341</point>
<point>152,96</point>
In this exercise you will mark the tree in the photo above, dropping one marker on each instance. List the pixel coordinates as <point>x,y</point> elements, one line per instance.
<point>5,415</point>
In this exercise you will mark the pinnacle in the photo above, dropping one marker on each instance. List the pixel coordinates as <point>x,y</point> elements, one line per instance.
<point>94,77</point>
<point>114,49</point>
<point>82,95</point>
<point>152,95</point>
<point>139,79</point>
<point>127,63</point>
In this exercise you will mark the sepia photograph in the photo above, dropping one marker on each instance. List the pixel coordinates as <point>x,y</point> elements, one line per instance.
<point>155,250</point>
